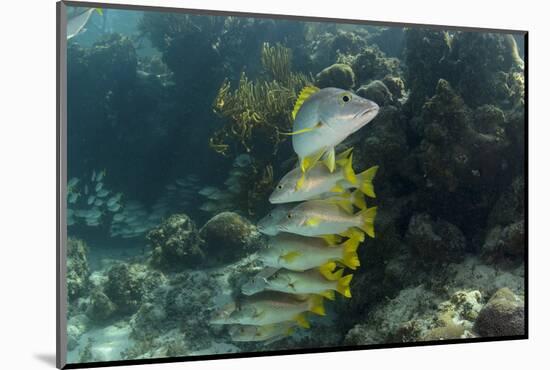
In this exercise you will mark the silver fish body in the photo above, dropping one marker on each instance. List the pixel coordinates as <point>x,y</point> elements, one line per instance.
<point>329,116</point>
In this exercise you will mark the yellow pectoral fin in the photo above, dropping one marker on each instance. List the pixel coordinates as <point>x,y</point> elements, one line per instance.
<point>353,233</point>
<point>308,162</point>
<point>345,204</point>
<point>337,189</point>
<point>330,160</point>
<point>329,294</point>
<point>302,131</point>
<point>291,256</point>
<point>331,239</point>
<point>302,97</point>
<point>313,221</point>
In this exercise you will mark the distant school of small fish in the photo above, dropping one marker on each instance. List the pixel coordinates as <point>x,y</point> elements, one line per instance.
<point>92,204</point>
<point>312,242</point>
<point>219,200</point>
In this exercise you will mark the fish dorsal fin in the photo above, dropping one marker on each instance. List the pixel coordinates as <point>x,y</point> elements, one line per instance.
<point>304,95</point>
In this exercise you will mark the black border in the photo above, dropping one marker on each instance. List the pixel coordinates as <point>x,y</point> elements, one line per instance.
<point>60,156</point>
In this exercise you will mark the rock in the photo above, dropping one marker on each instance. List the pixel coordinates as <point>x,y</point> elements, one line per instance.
<point>472,273</point>
<point>376,91</point>
<point>425,53</point>
<point>78,272</point>
<point>504,243</point>
<point>503,315</point>
<point>337,75</point>
<point>130,284</point>
<point>372,64</point>
<point>229,237</point>
<point>386,320</point>
<point>176,244</point>
<point>435,241</point>
<point>76,327</point>
<point>395,85</point>
<point>100,307</point>
<point>510,206</point>
<point>455,317</point>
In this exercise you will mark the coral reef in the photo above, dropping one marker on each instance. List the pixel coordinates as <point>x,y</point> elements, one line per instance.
<point>128,285</point>
<point>503,315</point>
<point>78,272</point>
<point>372,64</point>
<point>238,236</point>
<point>505,242</point>
<point>176,244</point>
<point>435,241</point>
<point>448,258</point>
<point>377,91</point>
<point>100,308</point>
<point>337,75</point>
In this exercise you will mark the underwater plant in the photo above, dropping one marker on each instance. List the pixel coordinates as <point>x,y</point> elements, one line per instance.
<point>257,111</point>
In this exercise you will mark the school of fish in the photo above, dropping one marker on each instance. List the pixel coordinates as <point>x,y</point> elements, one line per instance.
<point>320,220</point>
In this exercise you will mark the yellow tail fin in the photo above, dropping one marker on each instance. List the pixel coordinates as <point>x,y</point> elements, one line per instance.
<point>329,294</point>
<point>358,199</point>
<point>326,270</point>
<point>350,257</point>
<point>99,11</point>
<point>349,175</point>
<point>316,305</point>
<point>343,286</point>
<point>302,321</point>
<point>366,222</point>
<point>365,181</point>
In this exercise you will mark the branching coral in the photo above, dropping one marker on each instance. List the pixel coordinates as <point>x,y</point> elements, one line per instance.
<point>259,109</point>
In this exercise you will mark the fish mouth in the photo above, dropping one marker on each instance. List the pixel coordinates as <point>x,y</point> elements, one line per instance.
<point>370,110</point>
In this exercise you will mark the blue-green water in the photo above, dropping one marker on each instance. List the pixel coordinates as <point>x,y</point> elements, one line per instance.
<point>176,139</point>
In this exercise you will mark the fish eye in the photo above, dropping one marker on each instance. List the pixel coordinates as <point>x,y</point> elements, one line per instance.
<point>345,98</point>
<point>279,186</point>
<point>289,215</point>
